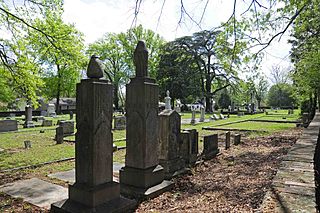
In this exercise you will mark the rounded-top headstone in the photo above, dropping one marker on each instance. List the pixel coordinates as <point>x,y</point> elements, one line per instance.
<point>95,68</point>
<point>140,59</point>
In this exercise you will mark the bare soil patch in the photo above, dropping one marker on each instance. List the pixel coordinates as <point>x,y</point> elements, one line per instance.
<point>235,181</point>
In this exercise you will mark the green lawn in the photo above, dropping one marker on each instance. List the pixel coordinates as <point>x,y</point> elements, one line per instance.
<point>44,148</point>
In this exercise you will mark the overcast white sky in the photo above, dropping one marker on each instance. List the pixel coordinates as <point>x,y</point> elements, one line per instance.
<point>97,17</point>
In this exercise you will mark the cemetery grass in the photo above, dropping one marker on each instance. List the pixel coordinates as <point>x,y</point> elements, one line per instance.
<point>44,148</point>
<point>235,181</point>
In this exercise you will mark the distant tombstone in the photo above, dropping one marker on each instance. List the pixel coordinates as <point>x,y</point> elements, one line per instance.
<point>12,115</point>
<point>228,136</point>
<point>167,100</point>
<point>222,116</point>
<point>47,123</point>
<point>169,140</point>
<point>305,119</point>
<point>68,127</point>
<point>193,117</point>
<point>28,117</point>
<point>202,114</point>
<point>51,110</point>
<point>178,106</point>
<point>59,135</point>
<point>189,146</point>
<point>237,139</point>
<point>8,125</point>
<point>71,115</point>
<point>40,119</point>
<point>119,122</point>
<point>94,189</point>
<point>216,117</point>
<point>142,176</point>
<point>210,146</point>
<point>27,144</point>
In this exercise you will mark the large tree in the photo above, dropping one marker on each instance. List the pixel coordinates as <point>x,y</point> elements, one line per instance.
<point>63,57</point>
<point>116,52</point>
<point>213,58</point>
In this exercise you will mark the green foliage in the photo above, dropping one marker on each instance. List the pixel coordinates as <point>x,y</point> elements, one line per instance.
<point>62,55</point>
<point>281,95</point>
<point>116,52</point>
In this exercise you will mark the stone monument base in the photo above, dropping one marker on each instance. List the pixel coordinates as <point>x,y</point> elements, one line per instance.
<point>102,198</point>
<point>117,205</point>
<point>173,167</point>
<point>28,124</point>
<point>210,155</point>
<point>143,183</point>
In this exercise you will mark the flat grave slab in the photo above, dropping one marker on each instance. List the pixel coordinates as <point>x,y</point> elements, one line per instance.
<point>36,192</point>
<point>69,176</point>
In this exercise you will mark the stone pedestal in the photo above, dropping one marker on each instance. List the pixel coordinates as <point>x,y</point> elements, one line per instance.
<point>237,139</point>
<point>210,146</point>
<point>169,138</point>
<point>94,189</point>
<point>142,177</point>
<point>228,135</point>
<point>28,118</point>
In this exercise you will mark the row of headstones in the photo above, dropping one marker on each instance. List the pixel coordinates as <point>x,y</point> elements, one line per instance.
<point>142,176</point>
<point>178,150</point>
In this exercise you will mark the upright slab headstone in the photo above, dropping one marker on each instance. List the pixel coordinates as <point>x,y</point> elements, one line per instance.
<point>28,123</point>
<point>178,106</point>
<point>210,146</point>
<point>167,100</point>
<point>228,136</point>
<point>68,127</point>
<point>202,114</point>
<point>71,115</point>
<point>193,117</point>
<point>8,125</point>
<point>119,122</point>
<point>189,146</point>
<point>237,139</point>
<point>169,138</point>
<point>94,189</point>
<point>142,176</point>
<point>51,110</point>
<point>59,135</point>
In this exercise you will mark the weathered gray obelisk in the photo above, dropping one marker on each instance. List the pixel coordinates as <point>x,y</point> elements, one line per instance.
<point>94,189</point>
<point>142,177</point>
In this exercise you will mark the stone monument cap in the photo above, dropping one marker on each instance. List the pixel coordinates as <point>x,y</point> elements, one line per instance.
<point>140,59</point>
<point>95,68</point>
<point>168,93</point>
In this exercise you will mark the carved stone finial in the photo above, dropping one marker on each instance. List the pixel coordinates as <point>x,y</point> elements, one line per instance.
<point>140,59</point>
<point>95,68</point>
<point>168,93</point>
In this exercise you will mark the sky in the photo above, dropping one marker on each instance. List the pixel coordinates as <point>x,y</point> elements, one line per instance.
<point>96,17</point>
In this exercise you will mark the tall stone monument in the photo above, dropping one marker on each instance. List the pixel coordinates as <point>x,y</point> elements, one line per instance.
<point>94,189</point>
<point>142,177</point>
<point>169,138</point>
<point>202,114</point>
<point>167,100</point>
<point>28,123</point>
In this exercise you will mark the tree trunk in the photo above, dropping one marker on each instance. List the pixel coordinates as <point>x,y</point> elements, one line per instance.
<point>116,96</point>
<point>208,95</point>
<point>58,110</point>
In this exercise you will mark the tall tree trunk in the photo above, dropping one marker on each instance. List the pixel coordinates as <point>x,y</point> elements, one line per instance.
<point>208,95</point>
<point>58,110</point>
